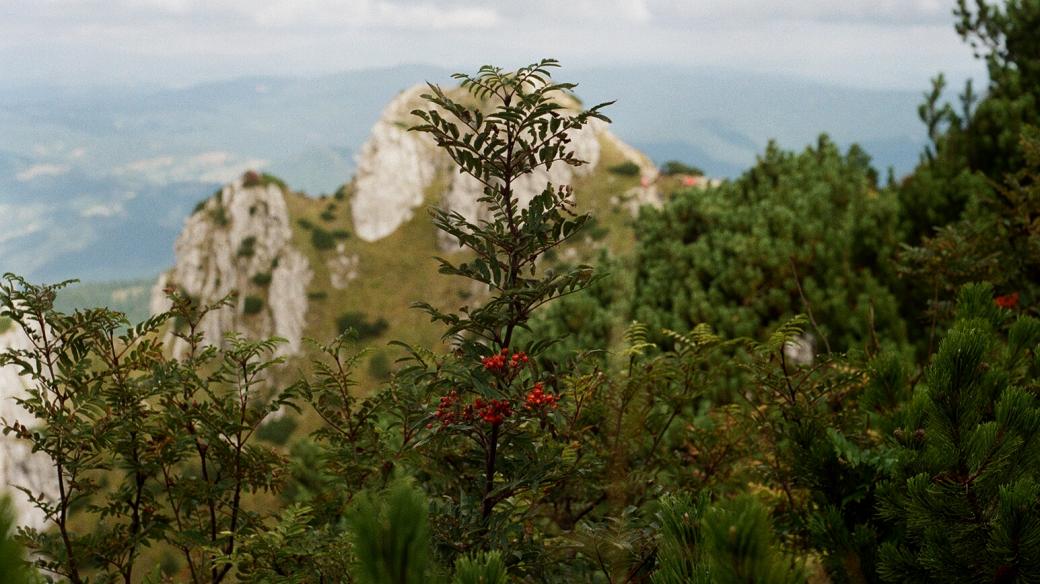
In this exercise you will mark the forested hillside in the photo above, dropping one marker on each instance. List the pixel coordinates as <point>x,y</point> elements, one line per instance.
<point>811,372</point>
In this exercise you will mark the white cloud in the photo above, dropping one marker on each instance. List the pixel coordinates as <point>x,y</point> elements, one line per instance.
<point>184,41</point>
<point>407,14</point>
<point>904,12</point>
<point>18,221</point>
<point>368,13</point>
<point>103,211</point>
<point>214,166</point>
<point>38,170</point>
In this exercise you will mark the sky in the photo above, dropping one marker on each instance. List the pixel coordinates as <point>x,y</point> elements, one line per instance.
<point>890,44</point>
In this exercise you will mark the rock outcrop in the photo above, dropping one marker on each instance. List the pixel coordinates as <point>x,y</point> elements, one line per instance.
<point>396,169</point>
<point>19,465</point>
<point>240,240</point>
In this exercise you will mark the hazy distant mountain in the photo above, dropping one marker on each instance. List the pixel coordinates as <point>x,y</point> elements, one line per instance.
<point>720,120</point>
<point>95,183</point>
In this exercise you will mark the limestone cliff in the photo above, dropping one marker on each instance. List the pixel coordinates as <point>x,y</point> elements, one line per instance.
<point>19,466</point>
<point>240,240</point>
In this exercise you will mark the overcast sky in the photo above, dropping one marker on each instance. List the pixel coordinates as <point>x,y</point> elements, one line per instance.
<point>867,43</point>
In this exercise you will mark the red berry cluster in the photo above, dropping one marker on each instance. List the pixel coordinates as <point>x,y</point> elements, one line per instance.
<point>502,361</point>
<point>451,411</point>
<point>538,399</point>
<point>493,412</point>
<point>448,411</point>
<point>1007,301</point>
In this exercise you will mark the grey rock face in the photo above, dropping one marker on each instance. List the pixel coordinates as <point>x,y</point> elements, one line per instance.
<point>243,232</point>
<point>19,466</point>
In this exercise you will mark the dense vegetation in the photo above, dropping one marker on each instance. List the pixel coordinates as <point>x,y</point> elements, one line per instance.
<point>799,375</point>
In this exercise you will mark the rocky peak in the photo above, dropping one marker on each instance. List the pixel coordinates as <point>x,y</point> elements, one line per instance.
<point>240,240</point>
<point>396,169</point>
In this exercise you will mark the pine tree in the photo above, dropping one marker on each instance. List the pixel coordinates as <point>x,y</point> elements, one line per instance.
<point>726,543</point>
<point>964,492</point>
<point>797,233</point>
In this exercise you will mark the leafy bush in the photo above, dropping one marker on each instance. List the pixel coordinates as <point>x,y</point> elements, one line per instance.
<point>391,536</point>
<point>361,325</point>
<point>673,167</point>
<point>322,239</point>
<point>379,365</point>
<point>252,305</point>
<point>247,247</point>
<point>255,179</point>
<point>12,556</point>
<point>796,233</point>
<point>626,168</point>
<point>277,431</point>
<point>262,278</point>
<point>158,451</point>
<point>218,216</point>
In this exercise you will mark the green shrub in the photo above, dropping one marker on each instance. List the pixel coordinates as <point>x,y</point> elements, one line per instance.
<point>255,179</point>
<point>341,234</point>
<point>596,231</point>
<point>797,233</point>
<point>322,239</point>
<point>359,322</point>
<point>391,535</point>
<point>673,167</point>
<point>379,365</point>
<point>12,555</point>
<point>726,543</point>
<point>262,278</point>
<point>219,216</point>
<point>277,431</point>
<point>136,467</point>
<point>341,193</point>
<point>328,216</point>
<point>968,457</point>
<point>626,168</point>
<point>247,247</point>
<point>317,295</point>
<point>484,568</point>
<point>305,223</point>
<point>252,305</point>
<point>251,179</point>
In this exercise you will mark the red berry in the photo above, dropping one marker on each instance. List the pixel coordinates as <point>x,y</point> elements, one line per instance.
<point>1007,300</point>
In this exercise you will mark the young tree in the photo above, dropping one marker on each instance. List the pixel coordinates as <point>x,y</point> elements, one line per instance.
<point>147,450</point>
